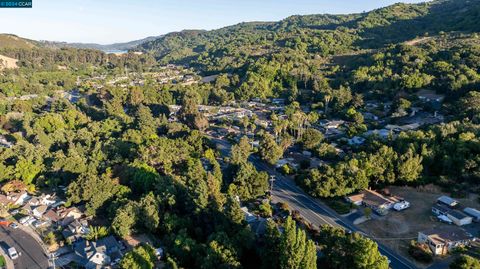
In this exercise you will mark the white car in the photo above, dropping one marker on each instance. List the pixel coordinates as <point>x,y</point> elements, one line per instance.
<point>12,252</point>
<point>25,220</point>
<point>401,205</point>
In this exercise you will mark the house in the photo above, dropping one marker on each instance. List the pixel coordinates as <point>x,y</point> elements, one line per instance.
<point>52,216</point>
<point>333,124</point>
<point>249,217</point>
<point>431,97</point>
<point>374,200</point>
<point>472,212</point>
<point>18,198</point>
<point>39,211</point>
<point>356,140</point>
<point>68,215</point>
<point>444,239</point>
<point>76,230</point>
<point>356,199</point>
<point>97,254</point>
<point>448,201</point>
<point>459,218</point>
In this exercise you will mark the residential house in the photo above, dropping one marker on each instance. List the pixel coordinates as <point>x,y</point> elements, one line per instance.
<point>356,140</point>
<point>443,239</point>
<point>68,215</point>
<point>97,254</point>
<point>448,201</point>
<point>374,200</point>
<point>39,211</point>
<point>472,212</point>
<point>17,198</point>
<point>52,216</point>
<point>76,230</point>
<point>356,199</point>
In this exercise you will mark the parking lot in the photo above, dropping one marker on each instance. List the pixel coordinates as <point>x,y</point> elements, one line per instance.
<point>31,254</point>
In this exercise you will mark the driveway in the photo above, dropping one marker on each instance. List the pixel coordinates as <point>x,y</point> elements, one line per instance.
<point>32,255</point>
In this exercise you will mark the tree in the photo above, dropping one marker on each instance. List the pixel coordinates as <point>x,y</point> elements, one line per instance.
<point>269,150</point>
<point>96,232</point>
<point>248,183</point>
<point>465,262</point>
<point>295,250</point>
<point>141,257</point>
<point>311,138</point>
<point>241,151</point>
<point>125,219</point>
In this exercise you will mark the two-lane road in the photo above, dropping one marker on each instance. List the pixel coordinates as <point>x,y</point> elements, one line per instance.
<point>32,255</point>
<point>313,210</point>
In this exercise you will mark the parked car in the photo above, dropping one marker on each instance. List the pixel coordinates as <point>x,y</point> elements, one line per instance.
<point>14,212</point>
<point>13,225</point>
<point>401,205</point>
<point>444,219</point>
<point>25,220</point>
<point>12,252</point>
<point>38,223</point>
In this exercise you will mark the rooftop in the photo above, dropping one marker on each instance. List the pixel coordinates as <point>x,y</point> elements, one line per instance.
<point>445,234</point>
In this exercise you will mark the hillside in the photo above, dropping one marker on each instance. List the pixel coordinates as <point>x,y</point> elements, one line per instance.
<point>9,41</point>
<point>116,46</point>
<point>321,35</point>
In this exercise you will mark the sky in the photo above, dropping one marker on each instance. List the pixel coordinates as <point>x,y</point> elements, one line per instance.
<point>110,21</point>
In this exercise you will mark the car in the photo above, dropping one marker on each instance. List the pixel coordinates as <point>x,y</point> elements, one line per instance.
<point>25,220</point>
<point>12,252</point>
<point>38,223</point>
<point>13,225</point>
<point>14,212</point>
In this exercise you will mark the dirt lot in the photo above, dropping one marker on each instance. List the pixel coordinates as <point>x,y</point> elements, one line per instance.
<point>397,229</point>
<point>7,62</point>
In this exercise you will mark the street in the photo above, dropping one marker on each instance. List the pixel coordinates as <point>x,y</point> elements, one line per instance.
<point>32,255</point>
<point>312,210</point>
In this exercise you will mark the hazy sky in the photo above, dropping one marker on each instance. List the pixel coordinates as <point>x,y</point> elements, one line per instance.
<point>108,21</point>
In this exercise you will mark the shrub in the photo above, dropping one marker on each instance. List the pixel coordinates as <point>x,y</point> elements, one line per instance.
<point>420,252</point>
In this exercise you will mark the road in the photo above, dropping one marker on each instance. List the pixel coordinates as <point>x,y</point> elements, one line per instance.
<point>32,255</point>
<point>312,210</point>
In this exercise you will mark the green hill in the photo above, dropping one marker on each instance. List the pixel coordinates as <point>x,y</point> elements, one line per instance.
<point>321,35</point>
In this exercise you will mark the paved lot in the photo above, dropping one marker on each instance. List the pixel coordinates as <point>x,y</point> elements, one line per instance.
<point>32,256</point>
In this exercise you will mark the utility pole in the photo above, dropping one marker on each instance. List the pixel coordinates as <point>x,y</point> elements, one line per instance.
<point>272,179</point>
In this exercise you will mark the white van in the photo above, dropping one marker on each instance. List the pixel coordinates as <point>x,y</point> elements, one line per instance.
<point>12,252</point>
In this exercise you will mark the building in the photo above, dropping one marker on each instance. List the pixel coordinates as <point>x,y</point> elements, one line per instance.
<point>440,210</point>
<point>444,239</point>
<point>39,211</point>
<point>97,254</point>
<point>448,201</point>
<point>459,218</point>
<point>472,212</point>
<point>16,198</point>
<point>374,200</point>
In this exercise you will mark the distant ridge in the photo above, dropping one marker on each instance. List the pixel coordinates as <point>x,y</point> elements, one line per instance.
<point>116,46</point>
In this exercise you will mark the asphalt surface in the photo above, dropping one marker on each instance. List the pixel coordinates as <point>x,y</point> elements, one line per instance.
<point>313,210</point>
<point>32,255</point>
